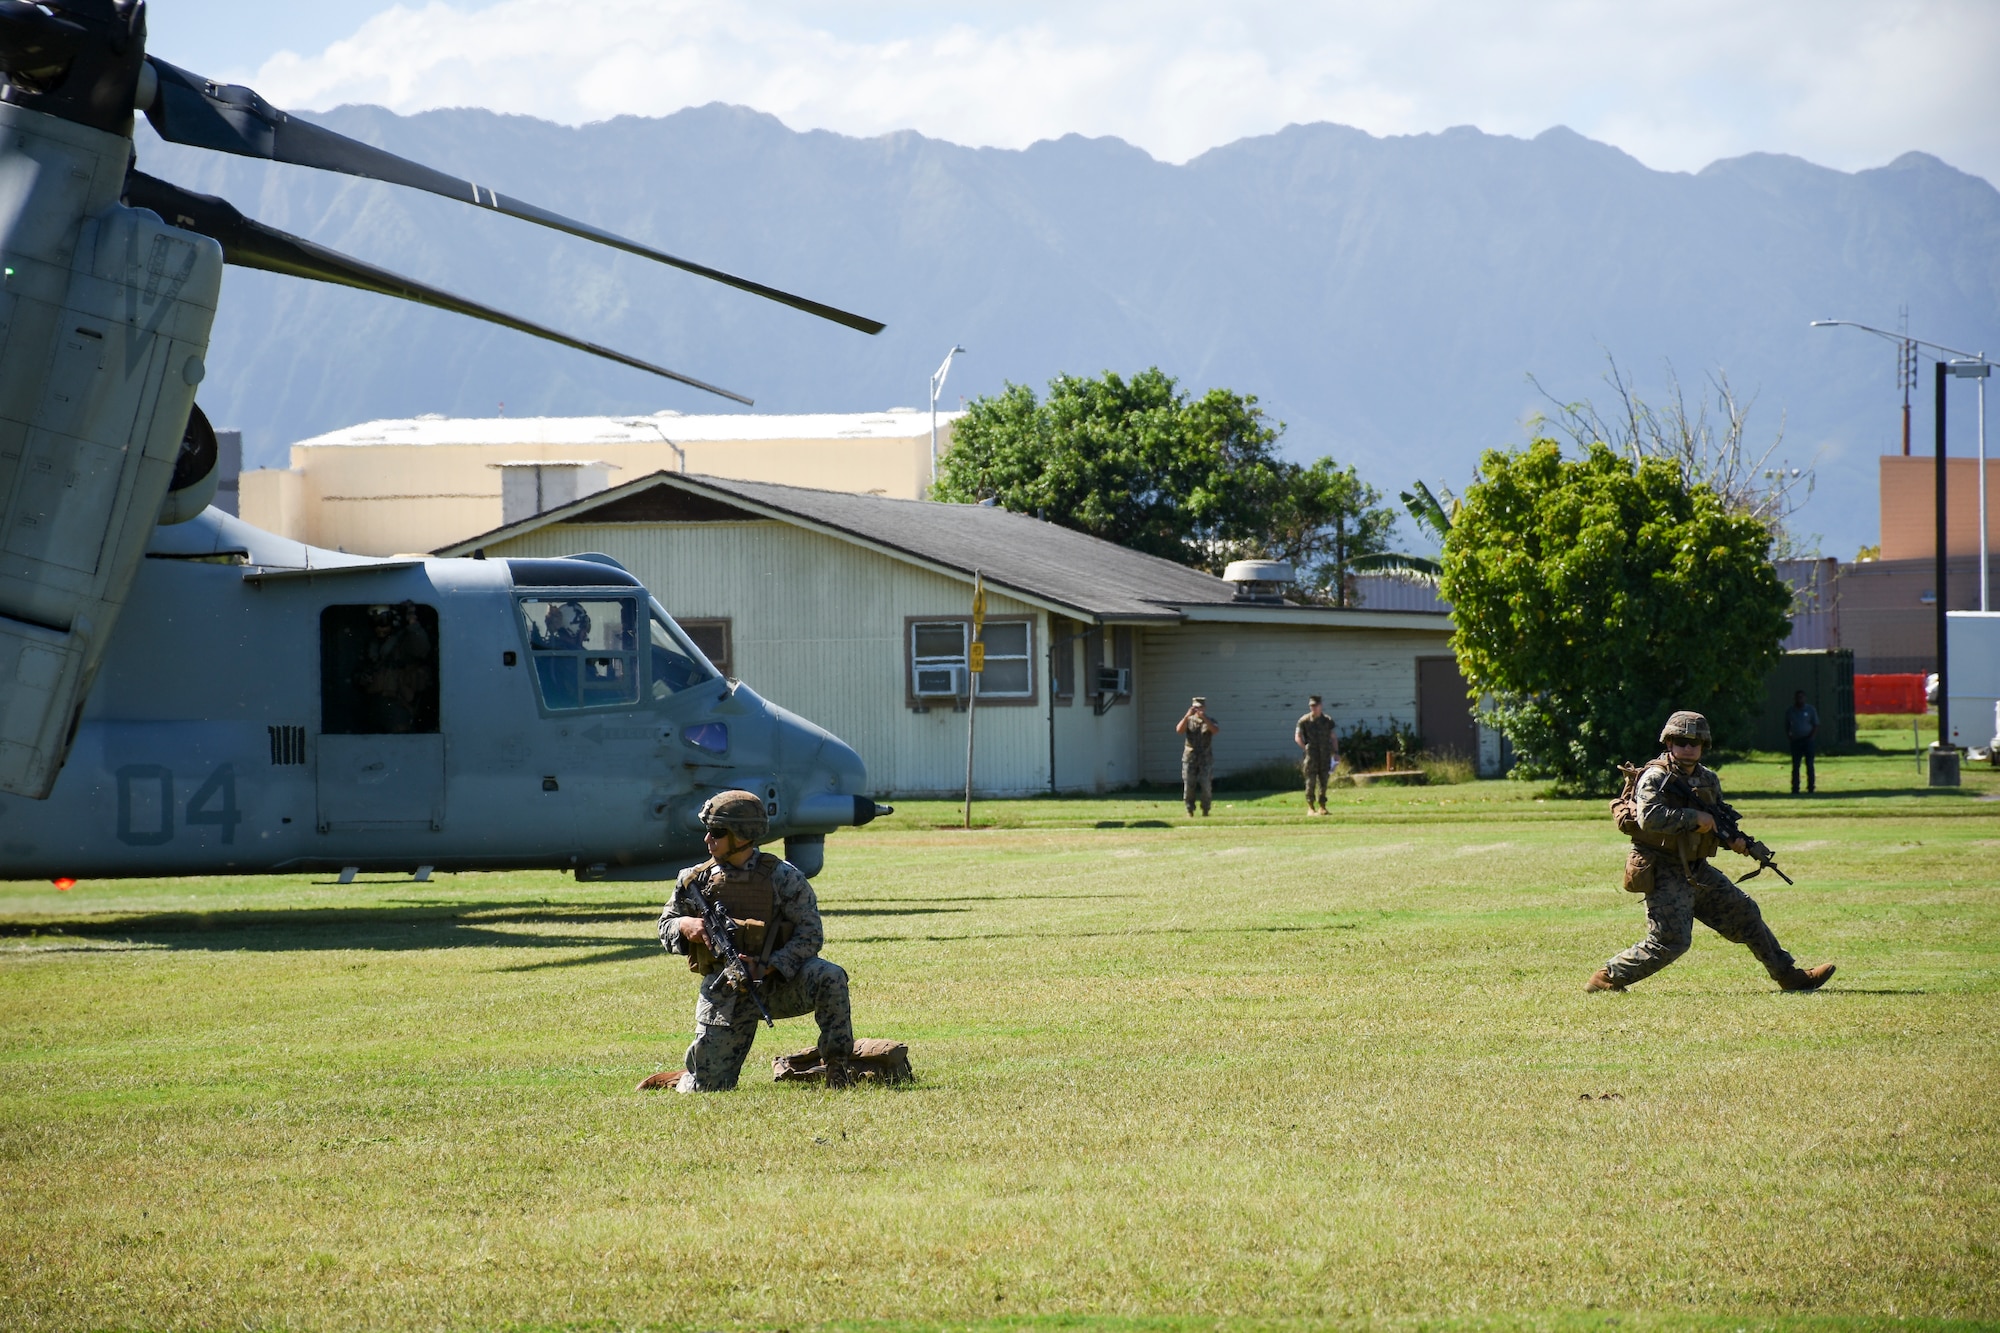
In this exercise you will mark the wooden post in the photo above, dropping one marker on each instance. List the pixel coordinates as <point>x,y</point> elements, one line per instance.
<point>975,662</point>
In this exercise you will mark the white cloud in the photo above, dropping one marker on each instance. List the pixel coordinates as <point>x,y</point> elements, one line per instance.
<point>1678,83</point>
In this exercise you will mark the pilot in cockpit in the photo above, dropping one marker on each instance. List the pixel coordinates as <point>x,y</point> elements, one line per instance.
<point>566,625</point>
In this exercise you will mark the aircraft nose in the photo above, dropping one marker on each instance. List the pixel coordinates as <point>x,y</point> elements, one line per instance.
<point>835,780</point>
<point>843,767</point>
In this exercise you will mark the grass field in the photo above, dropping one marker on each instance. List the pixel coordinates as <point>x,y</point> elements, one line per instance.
<point>1251,1071</point>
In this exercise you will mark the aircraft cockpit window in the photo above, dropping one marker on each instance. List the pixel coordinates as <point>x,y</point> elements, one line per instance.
<point>585,649</point>
<point>677,664</point>
<point>378,669</point>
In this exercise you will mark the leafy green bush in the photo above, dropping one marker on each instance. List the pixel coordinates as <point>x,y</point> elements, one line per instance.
<point>1446,769</point>
<point>1594,597</point>
<point>1364,749</point>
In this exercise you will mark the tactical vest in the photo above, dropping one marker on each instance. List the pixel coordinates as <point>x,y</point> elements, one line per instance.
<point>749,893</point>
<point>1695,845</point>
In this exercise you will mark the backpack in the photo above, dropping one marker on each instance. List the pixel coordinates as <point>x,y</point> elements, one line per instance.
<point>1625,805</point>
<point>1625,809</point>
<point>875,1061</point>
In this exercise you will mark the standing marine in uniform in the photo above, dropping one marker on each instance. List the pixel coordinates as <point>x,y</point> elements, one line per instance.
<point>1802,730</point>
<point>1669,864</point>
<point>396,673</point>
<point>780,936</point>
<point>1315,735</point>
<point>1197,731</point>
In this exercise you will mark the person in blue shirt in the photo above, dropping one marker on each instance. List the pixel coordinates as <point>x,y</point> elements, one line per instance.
<point>1801,726</point>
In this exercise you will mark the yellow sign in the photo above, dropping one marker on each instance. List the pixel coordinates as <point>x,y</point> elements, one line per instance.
<point>978,606</point>
<point>976,658</point>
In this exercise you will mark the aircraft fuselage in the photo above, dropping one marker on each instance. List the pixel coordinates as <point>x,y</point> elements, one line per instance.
<point>253,715</point>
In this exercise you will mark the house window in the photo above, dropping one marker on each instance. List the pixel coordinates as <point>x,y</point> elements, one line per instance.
<point>1009,670</point>
<point>938,666</point>
<point>1108,683</point>
<point>1121,658</point>
<point>711,635</point>
<point>585,649</point>
<point>1062,664</point>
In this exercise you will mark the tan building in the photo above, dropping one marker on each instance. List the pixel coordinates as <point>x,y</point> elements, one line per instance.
<point>1885,609</point>
<point>1909,506</point>
<point>389,487</point>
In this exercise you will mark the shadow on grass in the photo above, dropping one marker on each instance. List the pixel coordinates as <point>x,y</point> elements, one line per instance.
<point>463,925</point>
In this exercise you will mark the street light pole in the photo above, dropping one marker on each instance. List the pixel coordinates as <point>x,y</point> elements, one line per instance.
<point>1944,691</point>
<point>1985,372</point>
<point>1969,365</point>
<point>937,387</point>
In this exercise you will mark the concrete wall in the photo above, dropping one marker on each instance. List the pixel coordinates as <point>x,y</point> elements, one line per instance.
<point>1256,679</point>
<point>390,498</point>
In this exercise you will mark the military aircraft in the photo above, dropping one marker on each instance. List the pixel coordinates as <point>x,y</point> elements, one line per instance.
<point>239,702</point>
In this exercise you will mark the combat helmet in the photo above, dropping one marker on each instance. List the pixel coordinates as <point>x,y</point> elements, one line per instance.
<point>1688,727</point>
<point>739,811</point>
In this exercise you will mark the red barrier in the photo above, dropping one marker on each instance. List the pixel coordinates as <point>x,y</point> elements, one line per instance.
<point>1890,694</point>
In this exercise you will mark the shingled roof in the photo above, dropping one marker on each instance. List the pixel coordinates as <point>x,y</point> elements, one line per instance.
<point>1096,579</point>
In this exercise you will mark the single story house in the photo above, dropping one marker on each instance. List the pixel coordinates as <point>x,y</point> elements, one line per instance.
<point>855,611</point>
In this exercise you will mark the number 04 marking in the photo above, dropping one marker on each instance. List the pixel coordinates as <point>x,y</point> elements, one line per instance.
<point>151,787</point>
<point>215,803</point>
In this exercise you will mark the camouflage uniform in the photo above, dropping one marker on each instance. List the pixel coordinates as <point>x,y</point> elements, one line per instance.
<point>796,981</point>
<point>1321,750</point>
<point>1689,890</point>
<point>1197,765</point>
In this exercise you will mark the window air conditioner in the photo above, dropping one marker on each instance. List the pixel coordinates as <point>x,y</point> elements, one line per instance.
<point>942,682</point>
<point>1114,680</point>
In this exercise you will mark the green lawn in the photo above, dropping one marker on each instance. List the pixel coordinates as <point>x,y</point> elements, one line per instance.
<point>1254,1070</point>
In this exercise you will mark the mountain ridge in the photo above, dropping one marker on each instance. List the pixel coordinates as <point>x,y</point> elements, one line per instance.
<point>1387,296</point>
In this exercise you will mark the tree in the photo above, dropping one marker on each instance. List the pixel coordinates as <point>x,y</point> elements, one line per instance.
<point>1593,597</point>
<point>1138,463</point>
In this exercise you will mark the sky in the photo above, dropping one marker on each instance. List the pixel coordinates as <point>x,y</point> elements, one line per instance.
<point>1676,83</point>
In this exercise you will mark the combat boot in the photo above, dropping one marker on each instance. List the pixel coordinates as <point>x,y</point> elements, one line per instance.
<point>1601,980</point>
<point>840,1073</point>
<point>1806,978</point>
<point>676,1079</point>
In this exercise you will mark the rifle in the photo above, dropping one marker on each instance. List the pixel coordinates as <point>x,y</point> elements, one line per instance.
<point>1729,827</point>
<point>721,932</point>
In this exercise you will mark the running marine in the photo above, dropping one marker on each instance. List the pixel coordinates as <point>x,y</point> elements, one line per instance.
<point>1677,799</point>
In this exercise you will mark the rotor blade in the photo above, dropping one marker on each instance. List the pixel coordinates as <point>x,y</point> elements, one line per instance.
<point>248,243</point>
<point>233,119</point>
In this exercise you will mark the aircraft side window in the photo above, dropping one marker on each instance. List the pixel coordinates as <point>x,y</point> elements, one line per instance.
<point>585,649</point>
<point>378,669</point>
<point>677,664</point>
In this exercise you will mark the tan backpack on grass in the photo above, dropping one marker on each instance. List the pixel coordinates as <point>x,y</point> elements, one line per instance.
<point>874,1061</point>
